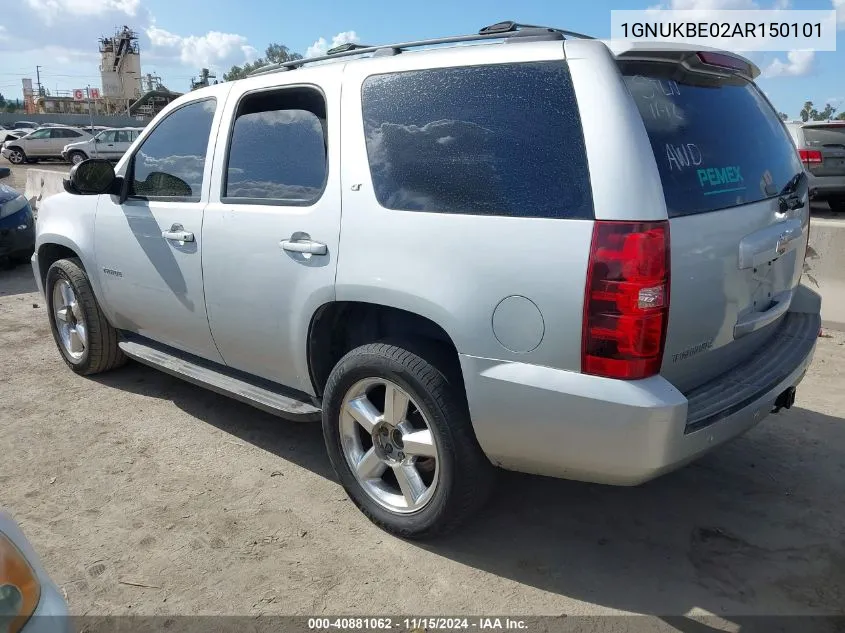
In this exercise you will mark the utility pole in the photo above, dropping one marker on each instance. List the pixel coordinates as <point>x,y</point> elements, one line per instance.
<point>90,115</point>
<point>38,80</point>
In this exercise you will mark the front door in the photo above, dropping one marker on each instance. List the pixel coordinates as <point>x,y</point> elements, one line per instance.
<point>149,247</point>
<point>38,143</point>
<point>271,229</point>
<point>102,143</point>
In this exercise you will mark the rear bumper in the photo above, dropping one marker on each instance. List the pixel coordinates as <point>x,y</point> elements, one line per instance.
<point>565,424</point>
<point>825,187</point>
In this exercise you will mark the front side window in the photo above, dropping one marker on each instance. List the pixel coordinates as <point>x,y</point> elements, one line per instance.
<point>501,139</point>
<point>277,153</point>
<point>171,160</point>
<point>106,137</point>
<point>40,134</point>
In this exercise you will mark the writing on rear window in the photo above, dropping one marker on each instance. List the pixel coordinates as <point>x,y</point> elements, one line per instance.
<point>716,140</point>
<point>716,180</point>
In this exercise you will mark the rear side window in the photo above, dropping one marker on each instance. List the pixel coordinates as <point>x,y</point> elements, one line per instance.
<point>277,154</point>
<point>825,136</point>
<point>717,141</point>
<point>500,139</point>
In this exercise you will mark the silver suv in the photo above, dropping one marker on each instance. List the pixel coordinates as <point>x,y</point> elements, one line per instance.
<point>45,142</point>
<point>545,253</point>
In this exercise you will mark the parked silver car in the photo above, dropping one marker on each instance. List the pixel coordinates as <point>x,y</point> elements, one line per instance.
<point>564,256</point>
<point>821,147</point>
<point>111,144</point>
<point>45,142</point>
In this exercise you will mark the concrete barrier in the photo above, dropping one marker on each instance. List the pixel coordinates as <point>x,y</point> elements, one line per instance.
<point>42,183</point>
<point>827,268</point>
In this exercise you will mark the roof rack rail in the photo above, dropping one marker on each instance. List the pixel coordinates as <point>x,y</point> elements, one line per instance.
<point>500,30</point>
<point>349,46</point>
<point>513,27</point>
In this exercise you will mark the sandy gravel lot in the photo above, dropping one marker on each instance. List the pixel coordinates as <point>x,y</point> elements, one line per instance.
<point>147,495</point>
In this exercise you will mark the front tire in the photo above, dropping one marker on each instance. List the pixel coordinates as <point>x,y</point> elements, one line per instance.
<point>86,340</point>
<point>77,157</point>
<point>17,156</point>
<point>399,436</point>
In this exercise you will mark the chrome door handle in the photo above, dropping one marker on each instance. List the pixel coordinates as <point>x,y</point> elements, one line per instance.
<point>304,246</point>
<point>177,233</point>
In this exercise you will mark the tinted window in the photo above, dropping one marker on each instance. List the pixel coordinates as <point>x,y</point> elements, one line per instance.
<point>494,140</point>
<point>827,135</point>
<point>121,136</point>
<point>171,160</point>
<point>278,148</point>
<point>716,140</point>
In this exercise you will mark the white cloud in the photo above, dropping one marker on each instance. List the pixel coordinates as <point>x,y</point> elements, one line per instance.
<point>839,5</point>
<point>214,49</point>
<point>320,46</point>
<point>797,63</point>
<point>49,10</point>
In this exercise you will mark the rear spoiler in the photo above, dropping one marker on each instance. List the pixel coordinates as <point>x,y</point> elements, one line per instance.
<point>700,59</point>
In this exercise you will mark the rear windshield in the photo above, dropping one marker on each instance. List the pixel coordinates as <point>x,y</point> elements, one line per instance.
<point>717,141</point>
<point>499,139</point>
<point>823,136</point>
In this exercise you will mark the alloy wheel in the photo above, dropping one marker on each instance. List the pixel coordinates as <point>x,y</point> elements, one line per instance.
<point>389,445</point>
<point>70,321</point>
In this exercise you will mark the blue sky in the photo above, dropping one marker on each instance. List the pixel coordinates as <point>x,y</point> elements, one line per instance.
<point>178,37</point>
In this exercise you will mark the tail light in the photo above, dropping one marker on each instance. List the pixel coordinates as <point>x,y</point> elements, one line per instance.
<point>626,304</point>
<point>810,157</point>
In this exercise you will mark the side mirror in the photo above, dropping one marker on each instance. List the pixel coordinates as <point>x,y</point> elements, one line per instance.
<point>5,172</point>
<point>92,177</point>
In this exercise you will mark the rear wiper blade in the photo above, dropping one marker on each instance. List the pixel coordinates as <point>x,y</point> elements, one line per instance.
<point>793,195</point>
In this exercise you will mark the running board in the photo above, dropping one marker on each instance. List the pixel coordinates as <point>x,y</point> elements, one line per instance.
<point>257,392</point>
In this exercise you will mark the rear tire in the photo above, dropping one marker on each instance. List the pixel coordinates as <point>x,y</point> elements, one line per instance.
<point>86,340</point>
<point>446,476</point>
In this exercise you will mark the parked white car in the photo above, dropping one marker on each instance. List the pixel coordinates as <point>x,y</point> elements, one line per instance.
<point>111,144</point>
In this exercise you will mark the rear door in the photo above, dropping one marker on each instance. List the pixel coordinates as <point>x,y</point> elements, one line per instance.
<point>724,159</point>
<point>122,140</point>
<point>829,139</point>
<point>272,227</point>
<point>59,137</point>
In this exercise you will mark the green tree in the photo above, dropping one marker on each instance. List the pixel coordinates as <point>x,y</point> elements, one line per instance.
<point>808,112</point>
<point>783,115</point>
<point>826,114</point>
<point>2,100</point>
<point>841,116</point>
<point>274,54</point>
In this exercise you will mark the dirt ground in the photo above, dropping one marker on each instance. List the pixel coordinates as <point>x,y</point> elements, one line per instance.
<point>147,495</point>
